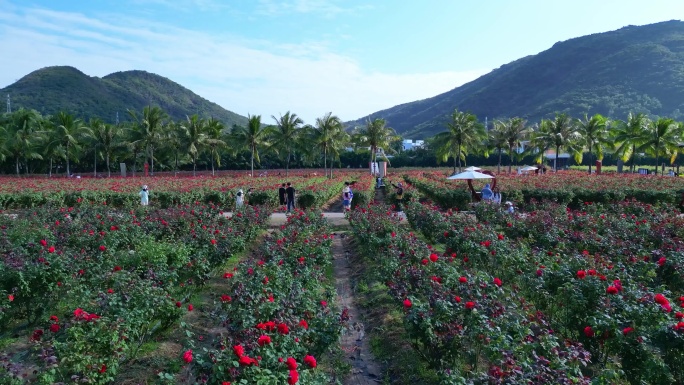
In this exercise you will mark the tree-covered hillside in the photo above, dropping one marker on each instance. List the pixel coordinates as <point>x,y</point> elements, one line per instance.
<point>636,68</point>
<point>53,89</point>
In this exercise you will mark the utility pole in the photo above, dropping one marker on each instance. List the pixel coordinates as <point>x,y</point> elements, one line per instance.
<point>117,118</point>
<point>9,104</point>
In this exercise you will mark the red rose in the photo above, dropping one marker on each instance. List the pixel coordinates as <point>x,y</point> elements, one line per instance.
<point>497,282</point>
<point>43,242</point>
<point>434,257</point>
<point>679,315</point>
<point>190,307</point>
<point>54,318</point>
<point>225,298</point>
<point>187,356</point>
<point>225,383</point>
<point>457,299</point>
<point>462,279</point>
<point>103,368</point>
<point>51,249</point>
<point>612,290</point>
<point>588,331</point>
<point>213,241</point>
<point>117,268</point>
<point>10,297</point>
<point>293,377</point>
<point>283,329</point>
<point>291,363</point>
<point>264,340</point>
<point>470,305</point>
<point>54,328</point>
<point>103,248</point>
<point>407,303</point>
<point>424,261</point>
<point>228,275</point>
<point>310,360</point>
<point>661,261</point>
<point>178,304</point>
<point>239,350</point>
<point>627,330</point>
<point>304,324</point>
<point>581,274</point>
<point>245,361</point>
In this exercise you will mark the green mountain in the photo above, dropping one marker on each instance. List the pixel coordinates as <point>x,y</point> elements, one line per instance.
<point>52,89</point>
<point>636,68</point>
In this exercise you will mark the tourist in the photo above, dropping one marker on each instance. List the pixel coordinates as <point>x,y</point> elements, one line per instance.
<point>290,197</point>
<point>509,207</point>
<point>346,197</point>
<point>144,196</point>
<point>239,199</point>
<point>487,193</point>
<point>281,194</point>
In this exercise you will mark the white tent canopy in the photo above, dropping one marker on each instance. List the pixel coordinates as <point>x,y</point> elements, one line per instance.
<point>529,168</point>
<point>472,168</point>
<point>470,175</point>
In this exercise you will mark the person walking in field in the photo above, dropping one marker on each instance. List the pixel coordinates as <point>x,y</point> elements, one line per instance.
<point>346,197</point>
<point>281,194</point>
<point>239,199</point>
<point>290,197</point>
<point>399,194</point>
<point>144,196</point>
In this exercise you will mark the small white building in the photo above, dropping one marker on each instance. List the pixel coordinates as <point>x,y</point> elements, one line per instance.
<point>408,144</point>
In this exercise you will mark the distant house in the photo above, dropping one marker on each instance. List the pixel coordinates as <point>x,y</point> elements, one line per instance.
<point>408,144</point>
<point>563,159</point>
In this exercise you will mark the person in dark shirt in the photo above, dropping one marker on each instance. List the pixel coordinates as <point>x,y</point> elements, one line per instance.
<point>290,192</point>
<point>281,194</point>
<point>399,194</point>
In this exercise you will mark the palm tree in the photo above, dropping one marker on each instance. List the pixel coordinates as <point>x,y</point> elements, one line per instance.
<point>560,134</point>
<point>106,137</point>
<point>629,135</point>
<point>516,131</point>
<point>664,137</point>
<point>464,133</point>
<point>70,132</point>
<point>376,135</point>
<point>594,131</point>
<point>22,136</point>
<point>150,126</point>
<point>51,146</point>
<point>327,135</point>
<point>286,136</point>
<point>194,138</point>
<point>252,137</point>
<point>214,131</point>
<point>497,140</point>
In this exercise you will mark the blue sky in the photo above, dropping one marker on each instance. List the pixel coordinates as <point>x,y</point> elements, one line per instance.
<point>267,57</point>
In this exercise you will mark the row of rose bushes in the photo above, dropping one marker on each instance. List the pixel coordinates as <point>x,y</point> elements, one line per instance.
<point>166,192</point>
<point>94,284</point>
<point>276,317</point>
<point>472,327</point>
<point>609,276</point>
<point>569,188</point>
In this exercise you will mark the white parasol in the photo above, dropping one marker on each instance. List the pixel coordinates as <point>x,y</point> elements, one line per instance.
<point>471,175</point>
<point>472,168</point>
<point>529,168</point>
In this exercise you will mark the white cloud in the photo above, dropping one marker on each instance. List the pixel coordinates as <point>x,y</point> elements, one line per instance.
<point>327,8</point>
<point>268,80</point>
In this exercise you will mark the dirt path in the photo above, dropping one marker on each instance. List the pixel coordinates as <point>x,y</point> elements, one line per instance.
<point>354,341</point>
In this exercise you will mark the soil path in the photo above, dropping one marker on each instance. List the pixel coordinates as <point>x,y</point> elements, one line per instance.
<point>354,341</point>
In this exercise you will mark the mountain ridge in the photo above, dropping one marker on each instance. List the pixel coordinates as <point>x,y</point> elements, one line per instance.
<point>65,88</point>
<point>634,68</point>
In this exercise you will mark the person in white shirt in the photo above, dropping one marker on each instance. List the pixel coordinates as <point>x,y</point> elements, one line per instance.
<point>144,196</point>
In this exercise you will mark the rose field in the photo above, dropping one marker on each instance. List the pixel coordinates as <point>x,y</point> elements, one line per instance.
<point>583,284</point>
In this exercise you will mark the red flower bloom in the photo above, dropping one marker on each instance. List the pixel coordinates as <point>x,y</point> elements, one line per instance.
<point>43,242</point>
<point>434,257</point>
<point>304,324</point>
<point>497,282</point>
<point>54,328</point>
<point>225,298</point>
<point>291,363</point>
<point>239,350</point>
<point>394,234</point>
<point>470,305</point>
<point>457,299</point>
<point>228,275</point>
<point>225,383</point>
<point>190,307</point>
<point>581,274</point>
<point>662,261</point>
<point>187,356</point>
<point>51,249</point>
<point>117,268</point>
<point>10,297</point>
<point>293,377</point>
<point>679,315</point>
<point>110,291</point>
<point>407,303</point>
<point>103,248</point>
<point>264,340</point>
<point>588,331</point>
<point>310,360</point>
<point>627,330</point>
<point>283,329</point>
<point>178,304</point>
<point>213,241</point>
<point>462,279</point>
<point>54,318</point>
<point>103,368</point>
<point>424,261</point>
<point>612,290</point>
<point>246,361</point>
<point>501,237</point>
<point>324,303</point>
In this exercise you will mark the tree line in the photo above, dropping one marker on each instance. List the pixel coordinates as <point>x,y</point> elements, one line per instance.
<point>594,136</point>
<point>32,143</point>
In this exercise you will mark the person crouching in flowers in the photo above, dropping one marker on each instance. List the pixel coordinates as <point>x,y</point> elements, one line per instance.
<point>144,196</point>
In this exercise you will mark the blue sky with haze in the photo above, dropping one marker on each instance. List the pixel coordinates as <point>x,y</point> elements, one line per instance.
<point>266,57</point>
